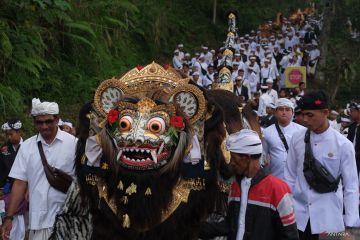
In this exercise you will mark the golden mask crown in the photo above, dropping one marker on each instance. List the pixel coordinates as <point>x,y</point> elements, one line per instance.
<point>228,52</point>
<point>230,34</point>
<point>232,16</point>
<point>155,82</point>
<point>150,72</point>
<point>225,70</point>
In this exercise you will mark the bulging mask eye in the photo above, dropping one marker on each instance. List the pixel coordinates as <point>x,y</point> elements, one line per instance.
<point>125,123</point>
<point>156,125</point>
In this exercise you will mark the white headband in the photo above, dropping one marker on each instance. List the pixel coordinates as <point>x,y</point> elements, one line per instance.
<point>343,119</point>
<point>284,102</point>
<point>245,141</point>
<point>11,126</point>
<point>69,124</point>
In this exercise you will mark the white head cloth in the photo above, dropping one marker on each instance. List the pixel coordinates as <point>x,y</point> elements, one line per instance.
<point>284,102</point>
<point>43,108</point>
<point>334,112</point>
<point>66,123</point>
<point>345,119</point>
<point>270,104</point>
<point>245,141</point>
<point>269,80</point>
<point>11,126</point>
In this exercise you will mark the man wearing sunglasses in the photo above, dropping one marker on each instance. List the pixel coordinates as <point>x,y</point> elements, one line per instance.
<point>28,171</point>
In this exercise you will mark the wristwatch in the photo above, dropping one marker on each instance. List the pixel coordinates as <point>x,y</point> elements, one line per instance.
<point>8,217</point>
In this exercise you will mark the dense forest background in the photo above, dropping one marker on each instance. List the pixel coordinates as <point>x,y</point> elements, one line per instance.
<point>59,50</point>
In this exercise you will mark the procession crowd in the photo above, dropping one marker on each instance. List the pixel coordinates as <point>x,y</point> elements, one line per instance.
<point>310,151</point>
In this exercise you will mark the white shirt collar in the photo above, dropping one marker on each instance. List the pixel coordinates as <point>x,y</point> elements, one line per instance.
<point>59,136</point>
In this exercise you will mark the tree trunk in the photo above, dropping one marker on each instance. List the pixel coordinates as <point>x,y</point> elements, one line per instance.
<point>325,32</point>
<point>214,11</point>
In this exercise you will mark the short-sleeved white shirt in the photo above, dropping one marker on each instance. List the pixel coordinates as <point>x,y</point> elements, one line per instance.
<point>45,201</point>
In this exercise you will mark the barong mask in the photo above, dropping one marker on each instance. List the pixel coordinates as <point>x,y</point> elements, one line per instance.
<point>225,81</point>
<point>144,133</point>
<point>146,112</point>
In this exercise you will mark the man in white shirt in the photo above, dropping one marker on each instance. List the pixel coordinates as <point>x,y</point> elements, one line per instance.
<point>253,64</point>
<point>289,41</point>
<point>253,80</point>
<point>235,71</point>
<point>267,71</point>
<point>177,63</point>
<point>314,56</point>
<point>196,78</point>
<point>320,197</point>
<point>201,66</point>
<point>277,136</point>
<point>195,59</point>
<point>181,51</point>
<point>283,64</point>
<point>208,79</point>
<point>333,116</point>
<point>264,100</point>
<point>28,171</point>
<point>270,91</point>
<point>208,56</point>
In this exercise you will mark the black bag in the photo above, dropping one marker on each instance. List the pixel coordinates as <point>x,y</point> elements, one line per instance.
<point>203,71</point>
<point>58,179</point>
<point>316,175</point>
<point>312,63</point>
<point>282,137</point>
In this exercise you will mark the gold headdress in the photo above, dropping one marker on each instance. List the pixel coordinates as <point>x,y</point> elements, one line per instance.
<point>230,34</point>
<point>148,81</point>
<point>228,52</point>
<point>232,16</point>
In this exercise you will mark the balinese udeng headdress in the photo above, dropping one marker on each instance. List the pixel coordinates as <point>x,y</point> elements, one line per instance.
<point>11,125</point>
<point>147,93</point>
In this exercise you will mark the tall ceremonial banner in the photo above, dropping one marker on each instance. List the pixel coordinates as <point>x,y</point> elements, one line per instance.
<point>294,75</point>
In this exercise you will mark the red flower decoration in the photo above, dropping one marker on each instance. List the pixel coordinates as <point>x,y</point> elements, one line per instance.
<point>166,66</point>
<point>317,102</point>
<point>113,116</point>
<point>177,122</point>
<point>139,67</point>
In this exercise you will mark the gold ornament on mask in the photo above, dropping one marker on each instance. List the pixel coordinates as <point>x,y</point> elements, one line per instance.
<point>148,192</point>
<point>125,200</point>
<point>232,16</point>
<point>207,165</point>
<point>91,179</point>
<point>227,52</point>
<point>120,186</point>
<point>104,166</point>
<point>131,189</point>
<point>126,221</point>
<point>230,34</point>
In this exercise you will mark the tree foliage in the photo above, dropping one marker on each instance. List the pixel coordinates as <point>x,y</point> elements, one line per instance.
<point>342,71</point>
<point>60,50</point>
